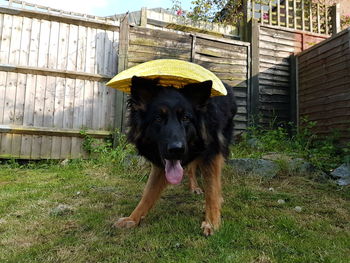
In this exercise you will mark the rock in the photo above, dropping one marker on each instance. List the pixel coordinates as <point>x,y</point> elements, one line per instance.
<point>342,174</point>
<point>61,210</point>
<point>300,165</point>
<point>256,166</point>
<point>298,209</point>
<point>281,201</point>
<point>64,162</point>
<point>271,189</point>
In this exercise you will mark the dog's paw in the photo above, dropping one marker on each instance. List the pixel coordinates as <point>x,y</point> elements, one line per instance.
<point>197,191</point>
<point>207,228</point>
<point>125,222</point>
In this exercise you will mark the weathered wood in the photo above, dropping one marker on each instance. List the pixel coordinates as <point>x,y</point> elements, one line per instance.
<point>54,72</point>
<point>68,19</point>
<point>122,65</point>
<point>33,130</point>
<point>255,51</point>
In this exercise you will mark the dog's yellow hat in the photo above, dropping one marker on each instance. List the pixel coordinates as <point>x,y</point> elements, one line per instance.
<point>170,72</point>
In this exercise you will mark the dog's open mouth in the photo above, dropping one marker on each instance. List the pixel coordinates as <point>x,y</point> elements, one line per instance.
<point>173,171</point>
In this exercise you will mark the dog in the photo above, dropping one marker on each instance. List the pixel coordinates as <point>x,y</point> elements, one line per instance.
<point>174,128</point>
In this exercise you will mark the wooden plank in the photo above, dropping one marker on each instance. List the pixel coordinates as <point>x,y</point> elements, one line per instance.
<point>318,18</point>
<point>108,49</point>
<point>278,13</point>
<point>279,41</point>
<point>100,44</point>
<point>72,48</point>
<point>216,52</point>
<point>311,24</point>
<point>62,56</point>
<point>58,116</point>
<point>3,81</point>
<point>68,111</point>
<point>32,130</point>
<point>90,51</point>
<point>276,47</point>
<point>54,72</point>
<point>9,111</point>
<point>15,45</point>
<point>38,114</point>
<point>102,23</point>
<point>76,150</point>
<point>255,51</point>
<point>44,44</point>
<point>18,113</point>
<point>95,106</point>
<point>286,2</point>
<point>82,48</point>
<point>6,39</point>
<point>53,46</point>
<point>302,15</point>
<point>225,61</point>
<point>28,114</point>
<point>25,41</point>
<point>161,51</point>
<point>34,43</point>
<point>49,107</point>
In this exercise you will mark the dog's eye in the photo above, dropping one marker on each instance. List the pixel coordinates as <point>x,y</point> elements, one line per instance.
<point>185,118</point>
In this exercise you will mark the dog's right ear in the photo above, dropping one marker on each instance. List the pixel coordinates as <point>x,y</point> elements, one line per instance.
<point>143,90</point>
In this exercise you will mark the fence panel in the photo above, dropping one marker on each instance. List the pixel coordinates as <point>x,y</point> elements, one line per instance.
<point>324,81</point>
<point>53,66</point>
<point>272,70</point>
<point>228,59</point>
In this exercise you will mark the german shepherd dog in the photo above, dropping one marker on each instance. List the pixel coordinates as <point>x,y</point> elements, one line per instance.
<point>174,128</point>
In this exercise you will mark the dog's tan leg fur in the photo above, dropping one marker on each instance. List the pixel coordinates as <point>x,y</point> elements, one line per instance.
<point>154,187</point>
<point>213,199</point>
<point>191,170</point>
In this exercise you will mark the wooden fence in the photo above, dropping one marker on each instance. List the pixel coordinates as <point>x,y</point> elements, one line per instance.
<point>305,15</point>
<point>273,85</point>
<point>324,85</point>
<point>53,66</point>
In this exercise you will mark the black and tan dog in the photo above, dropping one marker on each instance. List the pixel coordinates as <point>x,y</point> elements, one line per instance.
<point>174,128</point>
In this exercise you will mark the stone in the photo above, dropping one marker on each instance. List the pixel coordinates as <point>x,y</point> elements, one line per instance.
<point>298,209</point>
<point>256,166</point>
<point>342,174</point>
<point>281,201</point>
<point>300,165</point>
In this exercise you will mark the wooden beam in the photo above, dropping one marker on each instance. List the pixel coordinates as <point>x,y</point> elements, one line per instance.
<point>54,72</point>
<point>120,107</point>
<point>81,21</point>
<point>336,28</point>
<point>255,69</point>
<point>143,20</point>
<point>32,130</point>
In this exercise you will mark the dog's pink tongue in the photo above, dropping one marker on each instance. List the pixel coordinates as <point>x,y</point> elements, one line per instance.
<point>173,171</point>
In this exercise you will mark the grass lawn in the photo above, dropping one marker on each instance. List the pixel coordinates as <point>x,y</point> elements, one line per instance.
<point>256,228</point>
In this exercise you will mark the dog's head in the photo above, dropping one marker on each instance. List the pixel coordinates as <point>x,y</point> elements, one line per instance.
<point>164,121</point>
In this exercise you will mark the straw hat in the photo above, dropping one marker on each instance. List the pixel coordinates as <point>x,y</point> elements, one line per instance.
<point>170,72</point>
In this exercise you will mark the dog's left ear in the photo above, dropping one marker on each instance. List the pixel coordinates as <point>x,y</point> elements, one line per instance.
<point>198,93</point>
<point>143,90</point>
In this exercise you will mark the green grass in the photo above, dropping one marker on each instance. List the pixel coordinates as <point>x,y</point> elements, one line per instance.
<point>255,227</point>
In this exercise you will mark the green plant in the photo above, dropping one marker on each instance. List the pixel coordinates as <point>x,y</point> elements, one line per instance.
<point>325,153</point>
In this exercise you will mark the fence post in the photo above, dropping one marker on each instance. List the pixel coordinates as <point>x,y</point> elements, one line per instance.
<point>120,108</point>
<point>335,19</point>
<point>143,19</point>
<point>255,68</point>
<point>244,26</point>
<point>294,89</point>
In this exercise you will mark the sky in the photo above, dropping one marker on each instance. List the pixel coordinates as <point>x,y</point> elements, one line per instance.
<point>106,7</point>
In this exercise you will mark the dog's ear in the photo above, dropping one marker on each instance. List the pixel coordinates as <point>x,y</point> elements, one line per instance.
<point>198,93</point>
<point>143,90</point>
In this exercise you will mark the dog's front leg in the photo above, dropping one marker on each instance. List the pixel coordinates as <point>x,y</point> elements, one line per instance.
<point>213,199</point>
<point>154,187</point>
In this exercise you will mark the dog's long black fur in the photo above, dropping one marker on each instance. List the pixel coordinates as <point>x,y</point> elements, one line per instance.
<point>184,124</point>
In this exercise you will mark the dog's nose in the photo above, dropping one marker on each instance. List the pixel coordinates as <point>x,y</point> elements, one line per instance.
<point>176,148</point>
